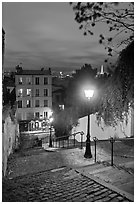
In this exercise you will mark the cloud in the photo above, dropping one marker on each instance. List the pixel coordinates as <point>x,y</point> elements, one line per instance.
<point>46,34</point>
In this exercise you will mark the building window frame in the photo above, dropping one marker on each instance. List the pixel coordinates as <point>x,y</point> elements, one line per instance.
<point>46,92</point>
<point>45,114</point>
<point>20,92</point>
<point>28,103</point>
<point>36,80</point>
<point>37,103</point>
<point>45,80</point>
<point>19,104</point>
<point>28,80</point>
<point>28,92</point>
<point>37,114</point>
<point>20,80</point>
<point>37,92</point>
<point>45,103</point>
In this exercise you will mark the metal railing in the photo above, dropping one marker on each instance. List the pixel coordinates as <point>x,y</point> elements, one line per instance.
<point>69,140</point>
<point>115,150</point>
<point>109,150</point>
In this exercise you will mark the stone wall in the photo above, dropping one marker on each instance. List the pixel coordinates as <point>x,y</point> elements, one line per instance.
<point>10,137</point>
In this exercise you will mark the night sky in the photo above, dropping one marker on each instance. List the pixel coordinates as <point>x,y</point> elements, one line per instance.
<point>45,34</point>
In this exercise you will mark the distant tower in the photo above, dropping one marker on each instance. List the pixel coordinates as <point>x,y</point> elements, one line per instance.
<point>102,70</point>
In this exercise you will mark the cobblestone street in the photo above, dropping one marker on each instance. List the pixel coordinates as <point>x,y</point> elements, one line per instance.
<point>39,175</point>
<point>62,184</point>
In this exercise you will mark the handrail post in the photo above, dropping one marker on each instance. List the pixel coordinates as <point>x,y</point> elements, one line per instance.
<point>53,142</point>
<point>82,133</point>
<point>68,142</point>
<point>112,141</point>
<point>74,139</point>
<point>95,139</point>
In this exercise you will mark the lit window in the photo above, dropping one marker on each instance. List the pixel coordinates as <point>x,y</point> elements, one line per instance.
<point>45,80</point>
<point>37,103</point>
<point>20,80</point>
<point>19,104</point>
<point>37,92</point>
<point>45,103</point>
<point>37,80</point>
<point>28,103</point>
<point>61,107</point>
<point>20,92</point>
<point>45,92</point>
<point>28,92</point>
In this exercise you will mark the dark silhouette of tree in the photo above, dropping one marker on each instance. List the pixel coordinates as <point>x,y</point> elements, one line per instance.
<point>118,16</point>
<point>118,96</point>
<point>75,97</point>
<point>64,122</point>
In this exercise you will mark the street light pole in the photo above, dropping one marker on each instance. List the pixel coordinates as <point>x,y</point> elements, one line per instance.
<point>50,142</point>
<point>88,154</point>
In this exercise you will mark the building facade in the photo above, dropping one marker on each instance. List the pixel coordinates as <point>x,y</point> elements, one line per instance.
<point>33,94</point>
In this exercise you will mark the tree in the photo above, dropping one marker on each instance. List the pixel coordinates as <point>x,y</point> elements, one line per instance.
<point>75,92</point>
<point>118,16</point>
<point>118,97</point>
<point>64,122</point>
<point>118,92</point>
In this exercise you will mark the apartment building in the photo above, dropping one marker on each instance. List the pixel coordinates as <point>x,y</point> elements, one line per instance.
<point>33,94</point>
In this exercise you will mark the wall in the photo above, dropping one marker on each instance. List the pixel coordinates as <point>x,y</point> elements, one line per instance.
<point>104,132</point>
<point>10,138</point>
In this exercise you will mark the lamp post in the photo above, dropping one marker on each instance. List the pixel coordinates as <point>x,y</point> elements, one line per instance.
<point>50,141</point>
<point>89,94</point>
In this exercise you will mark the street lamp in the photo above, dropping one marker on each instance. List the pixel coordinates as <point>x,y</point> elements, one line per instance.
<point>89,94</point>
<point>50,141</point>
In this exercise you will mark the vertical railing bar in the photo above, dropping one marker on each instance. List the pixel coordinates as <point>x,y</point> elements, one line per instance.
<point>112,141</point>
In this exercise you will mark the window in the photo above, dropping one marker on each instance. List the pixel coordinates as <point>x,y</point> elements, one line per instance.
<point>45,80</point>
<point>45,114</point>
<point>37,80</point>
<point>28,92</point>
<point>20,92</point>
<point>45,103</point>
<point>28,80</point>
<point>61,107</point>
<point>37,114</point>
<point>45,92</point>
<point>28,103</point>
<point>20,80</point>
<point>37,103</point>
<point>37,92</point>
<point>19,104</point>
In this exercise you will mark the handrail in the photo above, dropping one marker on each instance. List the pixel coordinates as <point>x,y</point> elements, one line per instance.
<point>115,139</point>
<point>67,136</point>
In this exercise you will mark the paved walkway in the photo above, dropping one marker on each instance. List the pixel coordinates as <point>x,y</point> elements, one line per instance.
<point>39,175</point>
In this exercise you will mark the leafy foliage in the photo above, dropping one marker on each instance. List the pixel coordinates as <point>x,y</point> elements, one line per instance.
<point>118,16</point>
<point>64,122</point>
<point>119,90</point>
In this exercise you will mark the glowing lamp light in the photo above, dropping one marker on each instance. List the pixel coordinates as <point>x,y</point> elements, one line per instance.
<point>89,93</point>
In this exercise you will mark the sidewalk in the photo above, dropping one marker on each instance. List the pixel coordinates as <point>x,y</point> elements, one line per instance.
<point>120,176</point>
